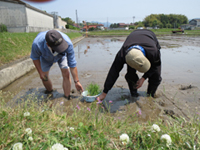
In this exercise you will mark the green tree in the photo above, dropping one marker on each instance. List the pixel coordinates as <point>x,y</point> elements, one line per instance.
<point>160,25</point>
<point>69,21</point>
<point>168,25</point>
<point>91,29</point>
<point>131,27</point>
<point>115,25</point>
<point>163,20</point>
<point>139,24</point>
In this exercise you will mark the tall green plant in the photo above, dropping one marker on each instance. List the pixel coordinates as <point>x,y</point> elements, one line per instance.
<point>3,28</point>
<point>93,89</point>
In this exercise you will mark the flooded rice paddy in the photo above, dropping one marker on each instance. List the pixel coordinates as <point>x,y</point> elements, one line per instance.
<point>180,68</point>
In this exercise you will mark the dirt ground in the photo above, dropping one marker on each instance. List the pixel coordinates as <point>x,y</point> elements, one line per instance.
<point>177,96</point>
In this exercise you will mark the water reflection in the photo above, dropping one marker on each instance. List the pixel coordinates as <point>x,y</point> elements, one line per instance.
<point>179,64</point>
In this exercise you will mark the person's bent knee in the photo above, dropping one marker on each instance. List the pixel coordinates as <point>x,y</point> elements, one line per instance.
<point>65,73</point>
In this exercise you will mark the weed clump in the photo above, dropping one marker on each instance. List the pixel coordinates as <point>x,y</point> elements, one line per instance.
<point>3,28</point>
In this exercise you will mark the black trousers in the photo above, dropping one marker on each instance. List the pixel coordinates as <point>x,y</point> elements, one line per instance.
<point>153,82</point>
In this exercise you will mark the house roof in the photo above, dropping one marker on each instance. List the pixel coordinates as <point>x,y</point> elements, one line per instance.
<point>90,26</point>
<point>94,26</point>
<point>27,5</point>
<point>198,20</point>
<point>122,24</point>
<point>100,25</point>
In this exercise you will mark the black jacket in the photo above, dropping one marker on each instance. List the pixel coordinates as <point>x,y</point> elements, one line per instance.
<point>145,38</point>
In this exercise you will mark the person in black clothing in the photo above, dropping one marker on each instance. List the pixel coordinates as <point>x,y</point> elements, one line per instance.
<point>141,52</point>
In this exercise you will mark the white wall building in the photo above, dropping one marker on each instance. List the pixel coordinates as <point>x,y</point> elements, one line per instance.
<point>58,22</point>
<point>21,17</point>
<point>61,23</point>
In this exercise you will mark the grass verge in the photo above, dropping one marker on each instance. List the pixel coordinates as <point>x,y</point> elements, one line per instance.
<point>18,45</point>
<point>156,31</point>
<point>88,127</point>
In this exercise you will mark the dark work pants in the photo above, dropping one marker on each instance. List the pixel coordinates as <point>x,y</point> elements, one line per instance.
<point>153,82</point>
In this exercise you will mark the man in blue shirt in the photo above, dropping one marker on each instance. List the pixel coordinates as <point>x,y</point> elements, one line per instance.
<point>50,47</point>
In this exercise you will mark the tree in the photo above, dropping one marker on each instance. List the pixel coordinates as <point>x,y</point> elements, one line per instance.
<point>91,29</point>
<point>139,24</point>
<point>69,21</point>
<point>163,20</point>
<point>115,25</point>
<point>168,25</point>
<point>131,27</point>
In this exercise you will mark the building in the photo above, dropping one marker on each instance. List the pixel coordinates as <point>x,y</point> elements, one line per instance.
<point>58,22</point>
<point>195,22</point>
<point>21,17</point>
<point>187,27</point>
<point>122,25</point>
<point>98,26</point>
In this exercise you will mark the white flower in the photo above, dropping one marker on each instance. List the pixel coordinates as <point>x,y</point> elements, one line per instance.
<point>166,138</point>
<point>124,138</point>
<point>26,114</point>
<point>71,128</point>
<point>18,146</point>
<point>149,135</point>
<point>58,146</point>
<point>155,128</point>
<point>30,138</point>
<point>28,131</point>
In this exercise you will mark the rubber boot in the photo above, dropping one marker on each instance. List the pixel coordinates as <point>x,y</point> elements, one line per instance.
<point>132,85</point>
<point>151,90</point>
<point>132,89</point>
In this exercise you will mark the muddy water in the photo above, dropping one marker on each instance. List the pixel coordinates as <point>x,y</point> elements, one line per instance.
<point>95,55</point>
<point>180,65</point>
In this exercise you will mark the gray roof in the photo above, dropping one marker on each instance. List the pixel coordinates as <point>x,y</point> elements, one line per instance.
<point>27,5</point>
<point>198,20</point>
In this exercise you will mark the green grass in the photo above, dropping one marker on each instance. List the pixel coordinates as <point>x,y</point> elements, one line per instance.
<point>94,129</point>
<point>73,35</point>
<point>169,32</point>
<point>127,32</point>
<point>15,46</point>
<point>18,45</point>
<point>110,33</point>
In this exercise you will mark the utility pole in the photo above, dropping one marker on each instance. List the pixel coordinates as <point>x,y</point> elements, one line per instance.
<point>133,19</point>
<point>107,22</point>
<point>76,19</point>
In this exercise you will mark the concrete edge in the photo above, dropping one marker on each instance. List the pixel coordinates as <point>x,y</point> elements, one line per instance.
<point>12,73</point>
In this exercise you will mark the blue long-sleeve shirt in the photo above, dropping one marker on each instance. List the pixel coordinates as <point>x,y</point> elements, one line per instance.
<point>40,50</point>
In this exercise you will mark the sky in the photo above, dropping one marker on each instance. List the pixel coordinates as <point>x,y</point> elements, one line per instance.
<point>118,11</point>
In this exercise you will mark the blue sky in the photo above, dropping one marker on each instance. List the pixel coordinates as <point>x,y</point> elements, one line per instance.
<point>121,11</point>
